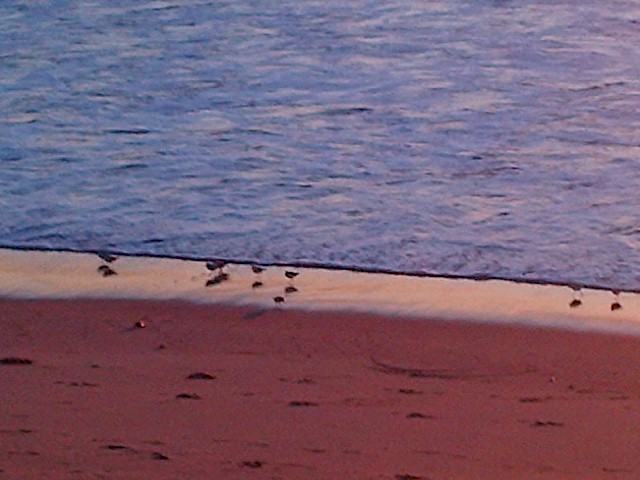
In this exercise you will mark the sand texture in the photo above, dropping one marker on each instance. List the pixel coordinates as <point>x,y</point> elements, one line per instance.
<point>285,394</point>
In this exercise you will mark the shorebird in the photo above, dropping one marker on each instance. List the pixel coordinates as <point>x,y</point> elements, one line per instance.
<point>221,277</point>
<point>257,269</point>
<point>257,285</point>
<point>290,274</point>
<point>106,271</point>
<point>214,265</point>
<point>577,295</point>
<point>107,257</point>
<point>616,303</point>
<point>290,289</point>
<point>278,299</point>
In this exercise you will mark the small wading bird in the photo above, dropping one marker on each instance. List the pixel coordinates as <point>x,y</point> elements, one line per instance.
<point>221,277</point>
<point>107,257</point>
<point>214,265</point>
<point>257,269</point>
<point>616,302</point>
<point>291,274</point>
<point>106,271</point>
<point>577,297</point>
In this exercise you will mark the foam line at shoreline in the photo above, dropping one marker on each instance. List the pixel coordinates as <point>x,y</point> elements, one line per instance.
<point>338,267</point>
<point>56,274</point>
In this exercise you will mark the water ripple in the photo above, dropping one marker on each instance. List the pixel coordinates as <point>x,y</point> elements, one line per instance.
<point>490,138</point>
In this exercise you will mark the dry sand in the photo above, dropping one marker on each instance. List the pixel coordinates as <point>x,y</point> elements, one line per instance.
<point>307,395</point>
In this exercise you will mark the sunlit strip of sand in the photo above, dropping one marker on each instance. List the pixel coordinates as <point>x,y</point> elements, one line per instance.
<point>38,274</point>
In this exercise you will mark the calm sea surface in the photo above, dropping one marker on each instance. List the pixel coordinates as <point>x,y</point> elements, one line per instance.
<point>444,136</point>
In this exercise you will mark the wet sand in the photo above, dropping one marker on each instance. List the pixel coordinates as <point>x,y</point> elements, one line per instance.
<point>293,394</point>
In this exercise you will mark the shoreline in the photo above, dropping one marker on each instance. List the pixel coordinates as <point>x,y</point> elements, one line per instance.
<point>301,394</point>
<point>330,267</point>
<point>55,274</point>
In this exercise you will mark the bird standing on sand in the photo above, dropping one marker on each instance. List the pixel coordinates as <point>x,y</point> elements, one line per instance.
<point>214,265</point>
<point>290,274</point>
<point>106,271</point>
<point>107,257</point>
<point>257,269</point>
<point>616,302</point>
<point>577,297</point>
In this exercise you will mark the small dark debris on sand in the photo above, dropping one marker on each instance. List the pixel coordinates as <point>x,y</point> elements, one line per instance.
<point>539,423</point>
<point>290,289</point>
<point>252,464</point>
<point>407,476</point>
<point>82,384</point>
<point>417,415</point>
<point>296,403</point>
<point>530,400</point>
<point>200,376</point>
<point>257,285</point>
<point>106,271</point>
<point>140,324</point>
<point>15,361</point>
<point>409,391</point>
<point>615,306</point>
<point>575,303</point>
<point>20,431</point>
<point>257,269</point>
<point>159,456</point>
<point>116,447</point>
<point>278,299</point>
<point>189,396</point>
<point>162,346</point>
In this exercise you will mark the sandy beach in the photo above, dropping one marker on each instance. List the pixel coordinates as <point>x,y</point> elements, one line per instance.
<point>291,394</point>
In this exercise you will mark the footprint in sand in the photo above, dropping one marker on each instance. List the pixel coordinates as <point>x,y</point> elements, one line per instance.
<point>420,415</point>
<point>15,361</point>
<point>188,396</point>
<point>539,423</point>
<point>302,404</point>
<point>200,376</point>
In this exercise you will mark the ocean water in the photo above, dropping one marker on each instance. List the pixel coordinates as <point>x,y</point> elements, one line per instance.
<point>482,137</point>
